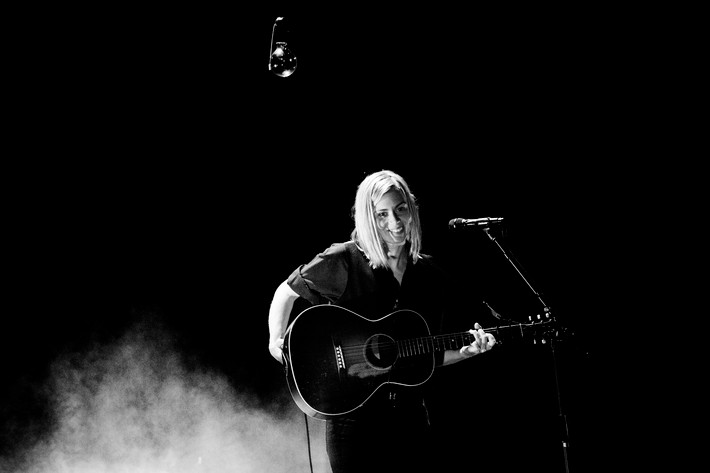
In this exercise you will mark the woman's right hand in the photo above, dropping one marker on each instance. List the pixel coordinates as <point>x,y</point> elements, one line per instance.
<point>276,349</point>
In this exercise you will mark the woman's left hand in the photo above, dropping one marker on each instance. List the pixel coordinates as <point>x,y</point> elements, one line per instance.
<point>482,342</point>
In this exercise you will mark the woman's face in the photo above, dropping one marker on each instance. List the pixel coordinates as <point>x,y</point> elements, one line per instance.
<point>393,218</point>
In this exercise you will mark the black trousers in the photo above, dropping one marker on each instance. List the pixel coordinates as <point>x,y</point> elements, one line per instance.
<point>386,438</point>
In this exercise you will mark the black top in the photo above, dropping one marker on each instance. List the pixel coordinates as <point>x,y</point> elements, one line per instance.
<point>341,275</point>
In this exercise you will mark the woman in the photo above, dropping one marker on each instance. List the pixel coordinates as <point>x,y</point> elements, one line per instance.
<point>380,270</point>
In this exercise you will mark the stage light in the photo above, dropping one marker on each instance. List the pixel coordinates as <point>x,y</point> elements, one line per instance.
<point>282,59</point>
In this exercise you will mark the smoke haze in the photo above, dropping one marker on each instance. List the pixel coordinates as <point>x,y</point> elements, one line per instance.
<point>137,406</point>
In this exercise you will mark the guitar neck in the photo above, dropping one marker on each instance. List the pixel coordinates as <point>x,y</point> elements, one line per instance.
<point>455,341</point>
<point>433,344</point>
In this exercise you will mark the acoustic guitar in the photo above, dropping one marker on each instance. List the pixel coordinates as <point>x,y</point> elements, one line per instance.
<point>336,359</point>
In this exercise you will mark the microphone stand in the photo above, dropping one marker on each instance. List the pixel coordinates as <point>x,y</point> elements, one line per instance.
<point>564,431</point>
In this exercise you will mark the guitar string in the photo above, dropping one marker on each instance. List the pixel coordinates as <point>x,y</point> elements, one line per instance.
<point>415,345</point>
<point>425,345</point>
<point>418,340</point>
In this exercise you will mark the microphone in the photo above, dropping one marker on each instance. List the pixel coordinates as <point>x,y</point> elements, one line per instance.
<point>483,222</point>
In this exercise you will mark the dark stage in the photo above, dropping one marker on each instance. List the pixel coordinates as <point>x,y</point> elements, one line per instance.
<point>167,182</point>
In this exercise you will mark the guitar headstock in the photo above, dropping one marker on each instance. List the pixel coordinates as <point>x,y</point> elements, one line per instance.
<point>544,328</point>
<point>540,329</point>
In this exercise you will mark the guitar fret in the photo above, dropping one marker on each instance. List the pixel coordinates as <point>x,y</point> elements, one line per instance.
<point>432,344</point>
<point>453,341</point>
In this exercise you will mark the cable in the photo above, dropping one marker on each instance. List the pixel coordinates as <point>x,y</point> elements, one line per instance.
<point>308,439</point>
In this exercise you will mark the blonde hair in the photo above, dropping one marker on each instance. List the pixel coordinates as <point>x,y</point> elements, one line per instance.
<point>365,234</point>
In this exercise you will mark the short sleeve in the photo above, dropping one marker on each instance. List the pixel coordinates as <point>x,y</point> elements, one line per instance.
<point>324,279</point>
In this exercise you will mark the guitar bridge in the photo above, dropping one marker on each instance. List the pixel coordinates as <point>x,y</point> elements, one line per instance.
<point>339,357</point>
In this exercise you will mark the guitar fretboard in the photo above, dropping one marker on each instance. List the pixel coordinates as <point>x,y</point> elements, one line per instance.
<point>432,344</point>
<point>455,341</point>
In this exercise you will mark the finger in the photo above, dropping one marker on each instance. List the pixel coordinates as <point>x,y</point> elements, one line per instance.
<point>476,337</point>
<point>468,351</point>
<point>479,343</point>
<point>491,340</point>
<point>476,334</point>
<point>487,339</point>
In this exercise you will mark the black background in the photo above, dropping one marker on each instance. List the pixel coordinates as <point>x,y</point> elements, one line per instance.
<point>160,167</point>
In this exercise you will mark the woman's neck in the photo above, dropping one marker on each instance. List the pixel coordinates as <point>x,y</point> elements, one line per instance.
<point>397,257</point>
<point>395,252</point>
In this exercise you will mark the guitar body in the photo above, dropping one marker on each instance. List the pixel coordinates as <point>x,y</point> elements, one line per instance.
<point>336,359</point>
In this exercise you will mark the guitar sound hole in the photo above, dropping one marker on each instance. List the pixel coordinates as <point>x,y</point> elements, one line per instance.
<point>380,351</point>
